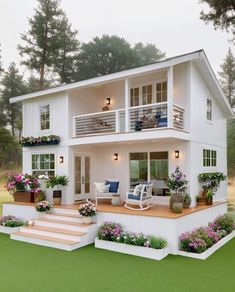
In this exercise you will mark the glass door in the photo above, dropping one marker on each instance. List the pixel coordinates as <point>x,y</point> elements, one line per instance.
<point>81,177</point>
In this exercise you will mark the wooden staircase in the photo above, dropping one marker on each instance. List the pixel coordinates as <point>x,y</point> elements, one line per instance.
<point>61,228</point>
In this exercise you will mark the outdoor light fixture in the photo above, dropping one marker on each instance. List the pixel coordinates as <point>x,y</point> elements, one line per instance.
<point>108,101</point>
<point>115,156</point>
<point>177,154</point>
<point>61,159</point>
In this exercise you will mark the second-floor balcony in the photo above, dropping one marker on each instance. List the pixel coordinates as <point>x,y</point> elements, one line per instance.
<point>133,119</point>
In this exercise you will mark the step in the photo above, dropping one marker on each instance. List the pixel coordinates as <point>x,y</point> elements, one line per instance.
<point>63,217</point>
<point>54,232</point>
<point>65,214</point>
<point>48,241</point>
<point>65,211</point>
<point>62,224</point>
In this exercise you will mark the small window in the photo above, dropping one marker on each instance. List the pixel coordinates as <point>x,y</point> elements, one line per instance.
<point>45,117</point>
<point>43,164</point>
<point>135,96</point>
<point>147,94</point>
<point>161,91</point>
<point>209,158</point>
<point>209,110</point>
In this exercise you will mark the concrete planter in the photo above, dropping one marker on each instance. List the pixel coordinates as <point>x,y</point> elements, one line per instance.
<point>9,230</point>
<point>209,251</point>
<point>146,252</point>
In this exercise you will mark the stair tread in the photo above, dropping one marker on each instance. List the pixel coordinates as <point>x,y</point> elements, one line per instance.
<point>65,222</point>
<point>65,215</point>
<point>56,230</point>
<point>49,238</point>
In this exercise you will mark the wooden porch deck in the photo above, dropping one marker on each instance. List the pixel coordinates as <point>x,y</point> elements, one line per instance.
<point>156,211</point>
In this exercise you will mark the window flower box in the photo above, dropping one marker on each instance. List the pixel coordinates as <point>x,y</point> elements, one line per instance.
<point>146,252</point>
<point>26,197</point>
<point>209,251</point>
<point>40,141</point>
<point>9,230</point>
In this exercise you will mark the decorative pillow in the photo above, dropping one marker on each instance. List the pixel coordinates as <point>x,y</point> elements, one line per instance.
<point>99,186</point>
<point>113,186</point>
<point>137,190</point>
<point>105,189</point>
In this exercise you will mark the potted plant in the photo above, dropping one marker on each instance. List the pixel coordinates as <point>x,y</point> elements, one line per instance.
<point>43,207</point>
<point>22,187</point>
<point>87,210</point>
<point>10,224</point>
<point>187,201</point>
<point>55,181</point>
<point>177,185</point>
<point>210,182</point>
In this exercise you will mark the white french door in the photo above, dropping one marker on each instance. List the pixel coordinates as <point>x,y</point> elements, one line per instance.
<point>82,175</point>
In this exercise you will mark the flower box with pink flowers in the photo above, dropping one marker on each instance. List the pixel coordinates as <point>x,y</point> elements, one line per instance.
<point>23,187</point>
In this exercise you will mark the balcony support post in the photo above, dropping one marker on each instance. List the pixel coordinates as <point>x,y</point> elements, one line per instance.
<point>127,105</point>
<point>170,97</point>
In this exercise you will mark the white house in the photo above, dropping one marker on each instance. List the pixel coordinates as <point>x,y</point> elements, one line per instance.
<point>159,116</point>
<point>183,91</point>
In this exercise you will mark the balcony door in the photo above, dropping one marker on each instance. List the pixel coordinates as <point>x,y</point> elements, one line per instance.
<point>82,175</point>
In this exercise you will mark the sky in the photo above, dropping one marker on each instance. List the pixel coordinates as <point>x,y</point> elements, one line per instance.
<point>174,26</point>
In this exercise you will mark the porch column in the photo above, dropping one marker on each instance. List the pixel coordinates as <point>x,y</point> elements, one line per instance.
<point>170,97</point>
<point>127,105</point>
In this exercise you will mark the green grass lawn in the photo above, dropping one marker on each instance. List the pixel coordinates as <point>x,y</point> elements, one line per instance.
<point>25,267</point>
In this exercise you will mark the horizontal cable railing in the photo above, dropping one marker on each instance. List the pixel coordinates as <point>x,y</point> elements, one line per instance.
<point>178,117</point>
<point>148,116</point>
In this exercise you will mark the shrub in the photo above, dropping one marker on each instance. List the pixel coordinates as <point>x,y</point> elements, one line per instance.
<point>157,242</point>
<point>110,231</point>
<point>22,182</point>
<point>211,180</point>
<point>223,223</point>
<point>177,181</point>
<point>11,221</point>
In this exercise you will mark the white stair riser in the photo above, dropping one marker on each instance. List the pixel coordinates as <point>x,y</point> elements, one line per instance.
<point>51,234</point>
<point>64,218</point>
<point>65,211</point>
<point>45,242</point>
<point>62,226</point>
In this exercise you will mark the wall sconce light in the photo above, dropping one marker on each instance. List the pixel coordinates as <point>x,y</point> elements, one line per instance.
<point>177,154</point>
<point>108,101</point>
<point>115,156</point>
<point>61,160</point>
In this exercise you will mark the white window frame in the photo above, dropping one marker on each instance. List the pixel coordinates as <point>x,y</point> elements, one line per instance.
<point>209,110</point>
<point>40,115</point>
<point>44,170</point>
<point>209,162</point>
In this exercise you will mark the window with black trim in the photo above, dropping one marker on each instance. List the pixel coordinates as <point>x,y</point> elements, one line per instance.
<point>209,158</point>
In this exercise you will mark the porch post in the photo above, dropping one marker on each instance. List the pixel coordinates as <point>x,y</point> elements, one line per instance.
<point>127,105</point>
<point>170,97</point>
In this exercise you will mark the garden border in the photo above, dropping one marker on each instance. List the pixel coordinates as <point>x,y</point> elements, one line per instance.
<point>9,230</point>
<point>146,252</point>
<point>209,251</point>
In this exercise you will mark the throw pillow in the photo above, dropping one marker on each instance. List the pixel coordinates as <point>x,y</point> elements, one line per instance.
<point>137,190</point>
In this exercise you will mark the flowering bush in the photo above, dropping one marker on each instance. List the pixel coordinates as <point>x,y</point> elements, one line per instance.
<point>200,239</point>
<point>87,210</point>
<point>43,140</point>
<point>43,206</point>
<point>177,181</point>
<point>22,182</point>
<point>11,221</point>
<point>114,232</point>
<point>211,180</point>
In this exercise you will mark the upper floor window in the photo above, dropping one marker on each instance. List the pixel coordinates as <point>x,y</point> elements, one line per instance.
<point>135,96</point>
<point>209,110</point>
<point>147,94</point>
<point>45,117</point>
<point>43,164</point>
<point>161,91</point>
<point>209,158</point>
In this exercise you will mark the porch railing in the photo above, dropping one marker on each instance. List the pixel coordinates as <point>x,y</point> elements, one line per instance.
<point>99,123</point>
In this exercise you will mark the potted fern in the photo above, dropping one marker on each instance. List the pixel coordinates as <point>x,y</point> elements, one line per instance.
<point>55,182</point>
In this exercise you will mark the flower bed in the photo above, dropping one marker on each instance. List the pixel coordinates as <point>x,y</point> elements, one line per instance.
<point>38,141</point>
<point>203,241</point>
<point>10,224</point>
<point>111,236</point>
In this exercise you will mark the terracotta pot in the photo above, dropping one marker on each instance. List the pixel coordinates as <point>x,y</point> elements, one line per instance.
<point>176,198</point>
<point>57,197</point>
<point>209,201</point>
<point>24,196</point>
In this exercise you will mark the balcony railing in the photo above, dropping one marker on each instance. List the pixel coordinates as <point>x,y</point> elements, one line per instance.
<point>152,116</point>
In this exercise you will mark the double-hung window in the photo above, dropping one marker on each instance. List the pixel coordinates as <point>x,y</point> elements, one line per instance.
<point>209,158</point>
<point>45,117</point>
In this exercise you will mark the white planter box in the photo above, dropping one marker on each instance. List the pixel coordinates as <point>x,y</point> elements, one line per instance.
<point>210,251</point>
<point>162,200</point>
<point>146,252</point>
<point>9,230</point>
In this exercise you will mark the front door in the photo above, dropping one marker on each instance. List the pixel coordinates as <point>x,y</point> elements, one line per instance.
<point>82,177</point>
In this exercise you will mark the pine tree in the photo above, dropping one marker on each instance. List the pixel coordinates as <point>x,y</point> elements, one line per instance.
<point>12,85</point>
<point>227,77</point>
<point>41,39</point>
<point>67,52</point>
<point>147,54</point>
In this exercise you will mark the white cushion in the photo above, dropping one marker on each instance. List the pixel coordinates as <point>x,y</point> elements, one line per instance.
<point>102,187</point>
<point>137,190</point>
<point>105,189</point>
